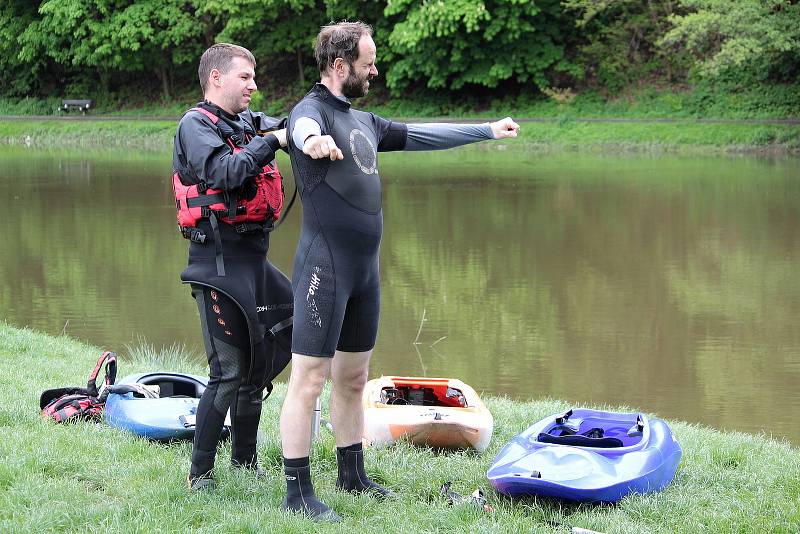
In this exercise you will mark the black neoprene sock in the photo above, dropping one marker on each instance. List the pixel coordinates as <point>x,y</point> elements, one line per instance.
<point>300,496</point>
<point>352,477</point>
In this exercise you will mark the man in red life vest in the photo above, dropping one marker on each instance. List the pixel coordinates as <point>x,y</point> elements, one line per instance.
<point>228,192</point>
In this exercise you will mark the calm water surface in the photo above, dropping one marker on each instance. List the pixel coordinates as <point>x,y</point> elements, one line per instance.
<point>668,284</point>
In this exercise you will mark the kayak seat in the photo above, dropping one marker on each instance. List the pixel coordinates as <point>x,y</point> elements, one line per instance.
<point>591,438</point>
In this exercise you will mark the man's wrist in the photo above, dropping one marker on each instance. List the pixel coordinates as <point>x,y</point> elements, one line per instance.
<point>273,142</point>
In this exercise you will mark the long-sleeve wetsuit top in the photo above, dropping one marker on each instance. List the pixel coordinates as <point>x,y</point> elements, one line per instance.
<point>335,278</point>
<point>201,153</point>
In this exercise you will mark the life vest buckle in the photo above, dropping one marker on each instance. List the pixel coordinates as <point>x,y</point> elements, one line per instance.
<point>193,234</point>
<point>251,227</point>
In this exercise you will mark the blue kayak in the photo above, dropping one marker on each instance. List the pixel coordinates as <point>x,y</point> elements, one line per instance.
<point>589,456</point>
<point>169,416</point>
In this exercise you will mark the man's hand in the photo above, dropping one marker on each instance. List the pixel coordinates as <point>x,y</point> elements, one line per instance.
<point>281,135</point>
<point>504,128</point>
<point>322,146</point>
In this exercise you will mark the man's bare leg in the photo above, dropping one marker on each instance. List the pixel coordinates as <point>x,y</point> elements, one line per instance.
<point>349,374</point>
<point>306,380</point>
<point>305,385</point>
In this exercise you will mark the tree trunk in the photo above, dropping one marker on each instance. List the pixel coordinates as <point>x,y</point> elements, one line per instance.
<point>301,75</point>
<point>164,75</point>
<point>208,30</point>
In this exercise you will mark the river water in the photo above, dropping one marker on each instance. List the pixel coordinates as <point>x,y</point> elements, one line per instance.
<point>665,283</point>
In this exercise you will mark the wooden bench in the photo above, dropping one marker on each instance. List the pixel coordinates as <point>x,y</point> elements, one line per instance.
<point>82,105</point>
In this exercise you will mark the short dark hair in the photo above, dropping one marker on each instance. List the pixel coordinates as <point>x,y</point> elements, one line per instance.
<point>339,40</point>
<point>220,56</point>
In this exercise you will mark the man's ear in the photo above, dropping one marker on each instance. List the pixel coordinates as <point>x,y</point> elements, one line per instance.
<point>215,76</point>
<point>339,66</point>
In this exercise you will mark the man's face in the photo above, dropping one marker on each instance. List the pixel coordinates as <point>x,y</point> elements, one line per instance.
<point>237,85</point>
<point>362,70</point>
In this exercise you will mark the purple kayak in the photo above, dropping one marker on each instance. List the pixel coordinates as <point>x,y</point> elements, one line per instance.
<point>589,456</point>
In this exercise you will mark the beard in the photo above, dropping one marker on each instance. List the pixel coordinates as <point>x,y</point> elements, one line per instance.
<point>355,86</point>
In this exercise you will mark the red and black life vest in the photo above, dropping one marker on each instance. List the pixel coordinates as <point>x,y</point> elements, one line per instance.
<point>73,403</point>
<point>259,201</point>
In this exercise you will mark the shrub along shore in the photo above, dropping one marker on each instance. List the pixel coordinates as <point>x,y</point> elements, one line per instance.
<point>87,476</point>
<point>549,133</point>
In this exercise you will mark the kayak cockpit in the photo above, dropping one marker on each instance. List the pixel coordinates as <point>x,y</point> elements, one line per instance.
<point>422,392</point>
<point>174,385</point>
<point>619,431</point>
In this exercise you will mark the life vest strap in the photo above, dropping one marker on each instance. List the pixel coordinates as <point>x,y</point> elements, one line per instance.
<point>217,244</point>
<point>205,200</point>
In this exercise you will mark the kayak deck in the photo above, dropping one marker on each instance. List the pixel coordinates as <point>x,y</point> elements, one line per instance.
<point>588,455</point>
<point>434,412</point>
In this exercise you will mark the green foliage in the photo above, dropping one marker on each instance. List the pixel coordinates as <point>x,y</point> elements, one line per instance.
<point>23,74</point>
<point>100,37</point>
<point>473,42</point>
<point>281,33</point>
<point>742,40</point>
<point>446,57</point>
<point>617,42</point>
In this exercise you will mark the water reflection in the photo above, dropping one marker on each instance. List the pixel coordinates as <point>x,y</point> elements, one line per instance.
<point>661,283</point>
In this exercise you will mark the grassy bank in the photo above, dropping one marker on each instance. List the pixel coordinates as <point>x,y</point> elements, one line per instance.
<point>88,477</point>
<point>565,133</point>
<point>145,134</point>
<point>701,101</point>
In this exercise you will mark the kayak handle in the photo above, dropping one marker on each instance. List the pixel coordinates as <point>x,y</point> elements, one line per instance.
<point>563,419</point>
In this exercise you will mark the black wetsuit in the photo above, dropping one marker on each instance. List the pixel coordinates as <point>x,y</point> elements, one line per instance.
<point>237,309</point>
<point>336,273</point>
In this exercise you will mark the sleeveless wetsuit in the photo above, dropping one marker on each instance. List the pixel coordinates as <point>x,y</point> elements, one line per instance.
<point>336,279</point>
<point>238,309</point>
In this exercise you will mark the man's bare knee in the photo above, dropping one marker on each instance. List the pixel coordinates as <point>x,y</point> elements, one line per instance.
<point>351,382</point>
<point>308,376</point>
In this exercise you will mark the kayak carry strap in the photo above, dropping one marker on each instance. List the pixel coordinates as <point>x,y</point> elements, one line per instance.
<point>563,419</point>
<point>638,428</point>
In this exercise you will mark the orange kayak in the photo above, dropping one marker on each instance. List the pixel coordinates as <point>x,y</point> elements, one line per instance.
<point>436,412</point>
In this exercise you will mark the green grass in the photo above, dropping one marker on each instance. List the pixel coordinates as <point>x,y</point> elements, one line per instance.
<point>146,134</point>
<point>89,478</point>
<point>685,136</point>
<point>700,101</point>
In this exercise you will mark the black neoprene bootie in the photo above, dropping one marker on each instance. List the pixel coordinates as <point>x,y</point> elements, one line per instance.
<point>200,483</point>
<point>300,496</point>
<point>352,477</point>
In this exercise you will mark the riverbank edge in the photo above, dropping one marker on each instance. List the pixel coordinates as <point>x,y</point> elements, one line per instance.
<point>596,135</point>
<point>89,476</point>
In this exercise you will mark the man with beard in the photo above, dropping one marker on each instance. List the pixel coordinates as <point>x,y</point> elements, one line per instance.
<point>228,192</point>
<point>335,279</point>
